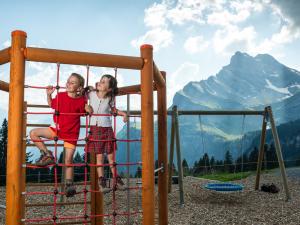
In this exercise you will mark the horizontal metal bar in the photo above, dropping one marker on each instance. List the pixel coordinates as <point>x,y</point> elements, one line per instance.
<point>219,112</point>
<point>44,125</point>
<point>82,58</point>
<point>57,203</point>
<point>63,223</point>
<point>53,145</point>
<point>190,112</point>
<point>52,184</point>
<point>158,169</point>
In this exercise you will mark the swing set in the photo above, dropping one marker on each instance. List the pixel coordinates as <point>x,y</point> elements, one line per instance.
<point>267,115</point>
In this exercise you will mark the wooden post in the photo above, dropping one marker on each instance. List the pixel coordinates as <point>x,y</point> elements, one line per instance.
<point>261,150</point>
<point>96,197</point>
<point>147,133</point>
<point>162,153</point>
<point>279,153</point>
<point>179,162</point>
<point>23,174</point>
<point>15,129</point>
<point>171,150</point>
<point>128,159</point>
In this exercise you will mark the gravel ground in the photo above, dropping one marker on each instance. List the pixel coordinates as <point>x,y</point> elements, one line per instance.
<point>201,206</point>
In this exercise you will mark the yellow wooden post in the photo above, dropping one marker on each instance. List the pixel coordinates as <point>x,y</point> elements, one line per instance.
<point>15,129</point>
<point>162,153</point>
<point>147,134</point>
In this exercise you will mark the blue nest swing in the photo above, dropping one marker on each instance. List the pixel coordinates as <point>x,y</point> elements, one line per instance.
<point>224,187</point>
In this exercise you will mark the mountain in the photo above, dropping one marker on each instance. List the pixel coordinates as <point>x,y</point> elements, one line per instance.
<point>246,83</point>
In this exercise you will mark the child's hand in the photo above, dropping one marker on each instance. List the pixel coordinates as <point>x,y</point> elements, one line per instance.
<point>50,89</point>
<point>88,109</point>
<point>125,118</point>
<point>88,89</point>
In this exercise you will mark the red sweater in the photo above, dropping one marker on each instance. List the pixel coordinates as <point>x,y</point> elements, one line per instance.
<point>68,126</point>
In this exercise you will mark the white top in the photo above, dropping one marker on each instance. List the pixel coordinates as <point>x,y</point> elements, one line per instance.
<point>100,106</point>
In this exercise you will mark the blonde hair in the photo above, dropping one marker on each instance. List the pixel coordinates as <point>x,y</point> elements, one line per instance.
<point>80,79</point>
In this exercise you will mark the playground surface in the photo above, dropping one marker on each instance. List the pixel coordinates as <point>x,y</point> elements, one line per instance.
<point>203,206</point>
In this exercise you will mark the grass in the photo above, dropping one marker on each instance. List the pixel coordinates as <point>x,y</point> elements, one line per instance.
<point>227,176</point>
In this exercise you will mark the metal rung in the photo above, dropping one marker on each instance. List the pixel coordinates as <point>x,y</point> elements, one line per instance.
<point>161,168</point>
<point>60,223</point>
<point>58,203</point>
<point>52,184</point>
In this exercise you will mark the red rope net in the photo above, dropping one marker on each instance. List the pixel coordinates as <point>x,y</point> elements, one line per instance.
<point>85,217</point>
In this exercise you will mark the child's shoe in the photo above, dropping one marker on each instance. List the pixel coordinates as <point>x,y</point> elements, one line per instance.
<point>45,159</point>
<point>70,189</point>
<point>120,184</point>
<point>102,185</point>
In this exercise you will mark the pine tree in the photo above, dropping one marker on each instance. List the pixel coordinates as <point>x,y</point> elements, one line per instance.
<point>185,167</point>
<point>253,156</point>
<point>228,161</point>
<point>78,170</point>
<point>138,173</point>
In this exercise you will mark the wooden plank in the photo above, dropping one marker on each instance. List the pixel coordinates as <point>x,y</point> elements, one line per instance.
<point>82,58</point>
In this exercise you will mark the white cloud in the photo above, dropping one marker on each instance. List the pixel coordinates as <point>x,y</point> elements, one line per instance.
<point>155,15</point>
<point>267,45</point>
<point>158,37</point>
<point>185,73</point>
<point>225,18</point>
<point>231,39</point>
<point>6,44</point>
<point>288,10</point>
<point>195,44</point>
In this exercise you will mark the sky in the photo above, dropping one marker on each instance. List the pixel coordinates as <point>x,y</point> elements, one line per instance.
<point>192,39</point>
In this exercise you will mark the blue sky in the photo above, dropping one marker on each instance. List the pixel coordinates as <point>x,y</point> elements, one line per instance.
<point>192,39</point>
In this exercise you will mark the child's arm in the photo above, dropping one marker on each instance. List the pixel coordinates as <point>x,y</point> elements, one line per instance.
<point>49,92</point>
<point>121,113</point>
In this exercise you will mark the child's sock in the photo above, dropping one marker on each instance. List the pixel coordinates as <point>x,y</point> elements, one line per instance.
<point>69,182</point>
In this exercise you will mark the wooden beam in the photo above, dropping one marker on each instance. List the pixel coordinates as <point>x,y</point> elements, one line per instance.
<point>179,162</point>
<point>158,77</point>
<point>15,130</point>
<point>162,154</point>
<point>4,56</point>
<point>279,153</point>
<point>4,86</point>
<point>133,89</point>
<point>261,152</point>
<point>82,58</point>
<point>171,156</point>
<point>147,133</point>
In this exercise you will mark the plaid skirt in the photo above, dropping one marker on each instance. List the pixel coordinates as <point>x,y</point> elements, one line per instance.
<point>101,140</point>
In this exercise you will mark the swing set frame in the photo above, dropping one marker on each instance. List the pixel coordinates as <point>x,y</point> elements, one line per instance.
<point>267,115</point>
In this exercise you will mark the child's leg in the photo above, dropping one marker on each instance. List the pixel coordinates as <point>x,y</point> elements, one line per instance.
<point>69,153</point>
<point>70,189</point>
<point>119,182</point>
<point>100,169</point>
<point>37,133</point>
<point>111,161</point>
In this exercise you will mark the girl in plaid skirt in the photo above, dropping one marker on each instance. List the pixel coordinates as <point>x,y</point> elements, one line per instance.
<point>101,136</point>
